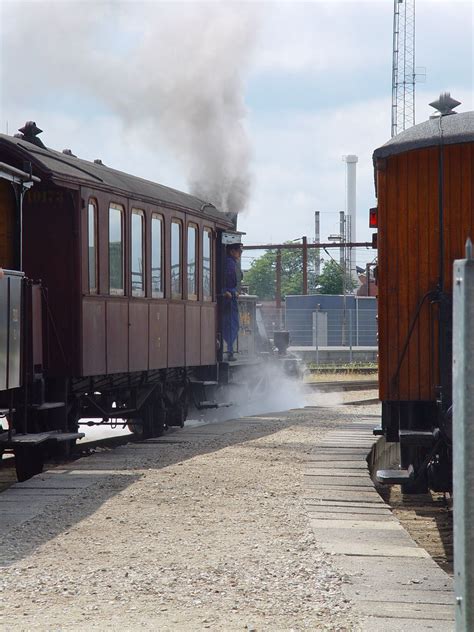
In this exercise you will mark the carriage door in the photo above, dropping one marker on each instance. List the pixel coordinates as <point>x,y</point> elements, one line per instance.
<point>8,230</point>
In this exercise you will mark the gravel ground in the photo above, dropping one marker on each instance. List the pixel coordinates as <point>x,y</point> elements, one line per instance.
<point>208,533</point>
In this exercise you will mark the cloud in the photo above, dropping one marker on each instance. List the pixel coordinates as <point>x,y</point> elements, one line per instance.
<point>317,78</point>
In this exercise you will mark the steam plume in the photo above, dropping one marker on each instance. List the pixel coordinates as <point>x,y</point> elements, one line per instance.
<point>173,72</point>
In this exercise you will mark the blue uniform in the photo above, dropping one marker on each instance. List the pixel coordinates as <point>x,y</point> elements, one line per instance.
<point>230,325</point>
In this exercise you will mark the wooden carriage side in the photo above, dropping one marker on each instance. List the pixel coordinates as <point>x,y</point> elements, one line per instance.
<point>99,330</point>
<point>164,328</point>
<point>415,259</point>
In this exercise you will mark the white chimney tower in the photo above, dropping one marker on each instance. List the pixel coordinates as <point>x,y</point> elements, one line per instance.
<point>351,208</point>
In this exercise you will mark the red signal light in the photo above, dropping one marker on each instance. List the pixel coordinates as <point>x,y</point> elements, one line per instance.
<point>374,218</point>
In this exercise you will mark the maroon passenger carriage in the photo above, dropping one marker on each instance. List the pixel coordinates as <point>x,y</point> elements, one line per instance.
<point>120,299</point>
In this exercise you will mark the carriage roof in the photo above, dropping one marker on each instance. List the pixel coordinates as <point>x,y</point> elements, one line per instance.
<point>61,166</point>
<point>440,130</point>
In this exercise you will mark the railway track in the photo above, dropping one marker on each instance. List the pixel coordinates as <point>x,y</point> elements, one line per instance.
<point>7,465</point>
<point>428,518</point>
<point>343,385</point>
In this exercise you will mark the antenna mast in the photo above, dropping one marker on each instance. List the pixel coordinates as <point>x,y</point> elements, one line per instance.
<point>403,66</point>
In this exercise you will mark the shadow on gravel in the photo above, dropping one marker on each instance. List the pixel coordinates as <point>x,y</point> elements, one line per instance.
<point>38,510</point>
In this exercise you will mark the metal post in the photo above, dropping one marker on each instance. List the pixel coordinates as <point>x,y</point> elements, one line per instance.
<point>316,313</point>
<point>342,232</point>
<point>317,239</point>
<point>278,279</point>
<point>305,265</point>
<point>357,320</point>
<point>463,439</point>
<point>350,336</point>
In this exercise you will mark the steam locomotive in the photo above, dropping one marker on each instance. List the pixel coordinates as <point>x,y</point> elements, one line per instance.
<point>109,302</point>
<point>424,184</point>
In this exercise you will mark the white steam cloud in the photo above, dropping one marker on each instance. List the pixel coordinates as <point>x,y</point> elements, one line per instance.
<point>174,73</point>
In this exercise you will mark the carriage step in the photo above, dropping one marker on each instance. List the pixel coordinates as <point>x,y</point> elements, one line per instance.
<point>48,405</point>
<point>31,438</point>
<point>208,404</point>
<point>35,438</point>
<point>205,382</point>
<point>67,436</point>
<point>395,477</point>
<point>417,437</point>
<point>378,431</point>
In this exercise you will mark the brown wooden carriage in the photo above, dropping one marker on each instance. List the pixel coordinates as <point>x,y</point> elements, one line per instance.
<point>425,190</point>
<point>128,270</point>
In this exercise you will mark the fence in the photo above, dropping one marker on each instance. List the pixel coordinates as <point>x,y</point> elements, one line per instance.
<point>326,335</point>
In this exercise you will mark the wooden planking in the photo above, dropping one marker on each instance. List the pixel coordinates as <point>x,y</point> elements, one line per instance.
<point>458,203</point>
<point>424,261</point>
<point>117,335</point>
<point>382,322</point>
<point>208,333</point>
<point>409,245</point>
<point>158,339</point>
<point>93,336</point>
<point>176,334</point>
<point>404,250</point>
<point>411,364</point>
<point>193,334</point>
<point>138,335</point>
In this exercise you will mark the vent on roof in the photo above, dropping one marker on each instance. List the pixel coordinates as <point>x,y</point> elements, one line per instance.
<point>445,105</point>
<point>30,132</point>
<point>98,161</point>
<point>68,152</point>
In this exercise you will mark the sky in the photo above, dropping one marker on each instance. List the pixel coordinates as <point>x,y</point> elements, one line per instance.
<point>252,105</point>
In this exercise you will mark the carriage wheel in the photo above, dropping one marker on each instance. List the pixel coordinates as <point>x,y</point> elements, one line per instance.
<point>150,423</point>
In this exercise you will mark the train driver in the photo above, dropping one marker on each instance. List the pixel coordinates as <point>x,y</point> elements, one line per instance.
<point>230,325</point>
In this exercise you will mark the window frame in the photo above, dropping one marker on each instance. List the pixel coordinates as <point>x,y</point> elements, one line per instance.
<point>193,296</point>
<point>178,222</point>
<point>117,207</point>
<point>140,213</point>
<point>92,202</point>
<point>207,230</point>
<point>160,293</point>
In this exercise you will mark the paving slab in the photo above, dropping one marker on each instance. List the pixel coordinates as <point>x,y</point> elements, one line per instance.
<point>347,516</point>
<point>335,464</point>
<point>402,595</point>
<point>330,455</point>
<point>356,526</point>
<point>401,624</point>
<point>350,509</point>
<point>390,609</point>
<point>395,573</point>
<point>390,579</point>
<point>348,473</point>
<point>337,481</point>
<point>340,493</point>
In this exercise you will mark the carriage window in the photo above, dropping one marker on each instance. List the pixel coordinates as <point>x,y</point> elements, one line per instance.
<point>157,256</point>
<point>206,264</point>
<point>92,245</point>
<point>116,249</point>
<point>138,273</point>
<point>176,247</point>
<point>192,262</point>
